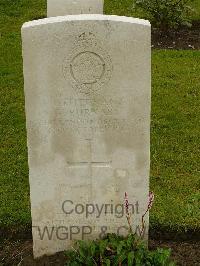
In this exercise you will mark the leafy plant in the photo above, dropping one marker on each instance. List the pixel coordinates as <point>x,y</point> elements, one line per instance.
<point>166,13</point>
<point>117,250</point>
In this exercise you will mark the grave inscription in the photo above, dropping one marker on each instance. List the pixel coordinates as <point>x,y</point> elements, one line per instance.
<point>87,85</point>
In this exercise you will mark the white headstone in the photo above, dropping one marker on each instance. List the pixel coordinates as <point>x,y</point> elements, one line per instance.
<point>87,91</point>
<point>72,7</point>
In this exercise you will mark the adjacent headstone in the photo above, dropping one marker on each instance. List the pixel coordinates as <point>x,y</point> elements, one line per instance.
<point>73,7</point>
<point>87,90</point>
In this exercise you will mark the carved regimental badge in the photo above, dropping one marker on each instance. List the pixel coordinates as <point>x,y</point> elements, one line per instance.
<point>88,67</point>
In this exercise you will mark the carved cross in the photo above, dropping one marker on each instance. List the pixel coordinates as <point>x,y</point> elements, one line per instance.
<point>90,163</point>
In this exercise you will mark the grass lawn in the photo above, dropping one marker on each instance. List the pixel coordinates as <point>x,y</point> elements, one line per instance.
<point>196,7</point>
<point>175,146</point>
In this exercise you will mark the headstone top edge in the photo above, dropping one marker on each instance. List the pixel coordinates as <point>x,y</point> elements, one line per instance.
<point>86,17</point>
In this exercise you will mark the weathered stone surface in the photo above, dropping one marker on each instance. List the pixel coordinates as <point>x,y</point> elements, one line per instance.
<point>87,91</point>
<point>72,7</point>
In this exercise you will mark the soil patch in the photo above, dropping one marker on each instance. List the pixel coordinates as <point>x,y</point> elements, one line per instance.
<point>183,253</point>
<point>20,253</point>
<point>182,38</point>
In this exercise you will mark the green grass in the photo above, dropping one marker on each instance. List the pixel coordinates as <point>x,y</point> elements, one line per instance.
<point>196,7</point>
<point>175,147</point>
<point>175,144</point>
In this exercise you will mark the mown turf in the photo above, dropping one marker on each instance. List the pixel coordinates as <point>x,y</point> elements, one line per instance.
<point>175,145</point>
<point>196,9</point>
